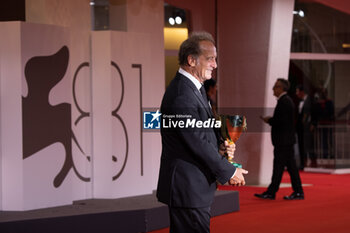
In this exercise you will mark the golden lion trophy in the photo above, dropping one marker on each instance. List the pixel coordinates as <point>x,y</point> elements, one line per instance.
<point>231,129</point>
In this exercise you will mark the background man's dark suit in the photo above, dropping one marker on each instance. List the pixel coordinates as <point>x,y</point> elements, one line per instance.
<point>283,140</point>
<point>190,162</point>
<point>305,136</point>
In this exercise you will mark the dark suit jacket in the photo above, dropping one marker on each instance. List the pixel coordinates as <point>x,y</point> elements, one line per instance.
<point>190,162</point>
<point>307,115</point>
<point>282,123</point>
<point>306,118</point>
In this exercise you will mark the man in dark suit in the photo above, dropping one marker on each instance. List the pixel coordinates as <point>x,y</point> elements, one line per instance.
<point>191,163</point>
<point>283,140</point>
<point>305,126</point>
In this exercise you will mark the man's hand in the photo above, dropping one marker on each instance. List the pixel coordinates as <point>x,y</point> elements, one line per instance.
<point>227,149</point>
<point>230,150</point>
<point>238,178</point>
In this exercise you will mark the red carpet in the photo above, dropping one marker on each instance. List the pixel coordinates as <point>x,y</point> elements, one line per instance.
<point>326,208</point>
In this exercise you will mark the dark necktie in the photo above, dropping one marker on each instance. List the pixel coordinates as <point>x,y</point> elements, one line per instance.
<point>204,94</point>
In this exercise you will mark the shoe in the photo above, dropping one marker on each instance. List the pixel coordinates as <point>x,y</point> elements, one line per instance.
<point>295,196</point>
<point>265,195</point>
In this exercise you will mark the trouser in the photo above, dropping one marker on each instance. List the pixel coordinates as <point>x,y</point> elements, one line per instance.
<point>189,220</point>
<point>284,157</point>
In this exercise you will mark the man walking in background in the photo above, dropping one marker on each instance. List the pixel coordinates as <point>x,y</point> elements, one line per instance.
<point>283,140</point>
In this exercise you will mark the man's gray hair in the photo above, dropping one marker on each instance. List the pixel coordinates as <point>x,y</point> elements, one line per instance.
<point>285,83</point>
<point>191,46</point>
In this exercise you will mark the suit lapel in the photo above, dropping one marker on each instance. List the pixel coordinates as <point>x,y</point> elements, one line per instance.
<point>205,105</point>
<point>197,94</point>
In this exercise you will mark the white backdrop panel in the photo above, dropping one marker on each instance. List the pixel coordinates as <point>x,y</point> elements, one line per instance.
<point>37,165</point>
<point>121,60</point>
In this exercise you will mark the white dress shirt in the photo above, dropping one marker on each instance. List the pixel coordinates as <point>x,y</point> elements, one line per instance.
<point>190,77</point>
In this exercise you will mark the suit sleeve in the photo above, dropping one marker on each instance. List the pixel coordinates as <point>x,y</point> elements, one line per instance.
<point>200,141</point>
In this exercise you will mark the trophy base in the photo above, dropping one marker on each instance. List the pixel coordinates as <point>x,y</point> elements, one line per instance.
<point>237,165</point>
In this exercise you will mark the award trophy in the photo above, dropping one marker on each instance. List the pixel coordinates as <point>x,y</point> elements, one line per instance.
<point>231,129</point>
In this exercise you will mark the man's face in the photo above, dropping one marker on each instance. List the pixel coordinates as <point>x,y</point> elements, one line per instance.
<point>277,89</point>
<point>300,94</point>
<point>204,65</point>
